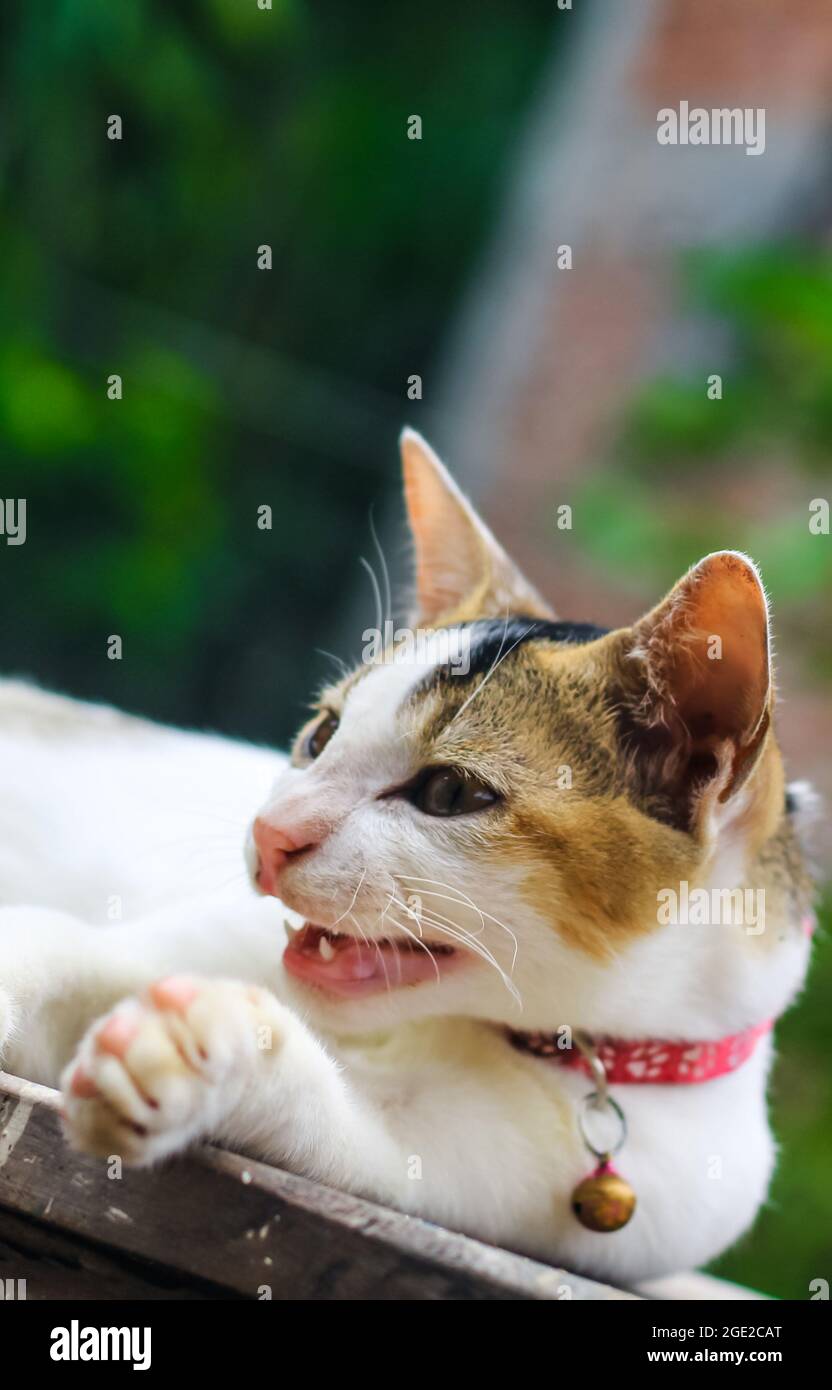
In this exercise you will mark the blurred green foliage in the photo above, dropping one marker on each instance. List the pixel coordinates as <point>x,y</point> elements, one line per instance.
<point>777,302</point>
<point>790,1243</point>
<point>242,387</point>
<point>689,475</point>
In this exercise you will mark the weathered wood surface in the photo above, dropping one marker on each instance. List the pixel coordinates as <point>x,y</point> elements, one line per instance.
<point>218,1225</point>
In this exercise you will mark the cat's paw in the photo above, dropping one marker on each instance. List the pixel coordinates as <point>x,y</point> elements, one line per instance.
<point>164,1069</point>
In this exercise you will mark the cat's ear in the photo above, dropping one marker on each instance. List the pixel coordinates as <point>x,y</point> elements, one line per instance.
<point>697,673</point>
<point>461,571</point>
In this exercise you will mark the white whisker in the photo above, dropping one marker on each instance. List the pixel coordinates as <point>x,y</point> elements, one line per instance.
<point>361,932</point>
<point>498,660</point>
<point>348,912</point>
<point>384,569</point>
<point>459,935</point>
<point>415,938</point>
<point>466,901</point>
<point>377,591</point>
<point>339,662</point>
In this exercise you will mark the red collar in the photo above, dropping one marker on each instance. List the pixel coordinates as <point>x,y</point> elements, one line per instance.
<point>654,1061</point>
<point>649,1060</point>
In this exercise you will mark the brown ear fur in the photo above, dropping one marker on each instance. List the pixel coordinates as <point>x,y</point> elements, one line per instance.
<point>696,678</point>
<point>461,571</point>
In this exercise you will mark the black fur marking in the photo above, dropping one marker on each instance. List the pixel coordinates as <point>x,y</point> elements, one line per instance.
<point>791,803</point>
<point>492,638</point>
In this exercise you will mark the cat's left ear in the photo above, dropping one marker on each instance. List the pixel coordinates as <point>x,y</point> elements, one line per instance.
<point>699,672</point>
<point>462,572</point>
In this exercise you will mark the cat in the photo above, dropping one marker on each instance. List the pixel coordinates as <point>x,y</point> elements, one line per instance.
<point>458,862</point>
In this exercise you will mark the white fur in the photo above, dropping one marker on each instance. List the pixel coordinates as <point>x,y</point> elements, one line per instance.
<point>411,1097</point>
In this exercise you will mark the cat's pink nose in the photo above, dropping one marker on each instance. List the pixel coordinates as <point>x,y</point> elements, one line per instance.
<point>275,849</point>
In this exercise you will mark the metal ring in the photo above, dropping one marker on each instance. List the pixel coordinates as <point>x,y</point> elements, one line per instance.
<point>593,1061</point>
<point>595,1102</point>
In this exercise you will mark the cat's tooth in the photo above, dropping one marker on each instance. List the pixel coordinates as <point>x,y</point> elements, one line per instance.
<point>326,949</point>
<point>291,932</point>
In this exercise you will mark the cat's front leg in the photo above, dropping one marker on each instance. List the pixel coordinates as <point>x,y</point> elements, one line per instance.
<point>196,1058</point>
<point>56,974</point>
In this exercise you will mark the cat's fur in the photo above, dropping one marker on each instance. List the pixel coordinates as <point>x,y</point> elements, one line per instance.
<point>413,1096</point>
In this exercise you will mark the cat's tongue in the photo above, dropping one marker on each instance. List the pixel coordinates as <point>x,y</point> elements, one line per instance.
<point>345,966</point>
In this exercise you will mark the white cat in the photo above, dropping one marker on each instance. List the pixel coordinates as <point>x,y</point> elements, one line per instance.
<point>471,854</point>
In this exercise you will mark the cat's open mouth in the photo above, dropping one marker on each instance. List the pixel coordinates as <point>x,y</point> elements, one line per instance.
<point>346,966</point>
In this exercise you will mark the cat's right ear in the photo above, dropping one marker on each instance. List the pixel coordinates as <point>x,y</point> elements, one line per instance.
<point>462,572</point>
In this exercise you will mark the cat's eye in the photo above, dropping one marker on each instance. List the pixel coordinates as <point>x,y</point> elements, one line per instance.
<point>319,737</point>
<point>447,791</point>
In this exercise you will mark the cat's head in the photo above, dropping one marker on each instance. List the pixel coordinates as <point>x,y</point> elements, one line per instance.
<point>486,820</point>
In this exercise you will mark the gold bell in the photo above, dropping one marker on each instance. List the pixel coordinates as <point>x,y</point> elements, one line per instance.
<point>603,1201</point>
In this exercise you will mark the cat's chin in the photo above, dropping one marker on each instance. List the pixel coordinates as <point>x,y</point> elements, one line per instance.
<point>345,967</point>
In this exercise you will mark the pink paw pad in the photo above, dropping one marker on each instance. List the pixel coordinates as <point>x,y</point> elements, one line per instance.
<point>176,992</point>
<point>82,1085</point>
<point>117,1034</point>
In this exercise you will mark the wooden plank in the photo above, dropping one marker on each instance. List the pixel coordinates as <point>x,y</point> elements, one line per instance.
<point>56,1265</point>
<point>249,1229</point>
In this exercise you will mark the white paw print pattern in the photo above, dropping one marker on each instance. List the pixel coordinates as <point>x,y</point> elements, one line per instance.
<point>645,1061</point>
<point>662,1062</point>
<point>655,1061</point>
